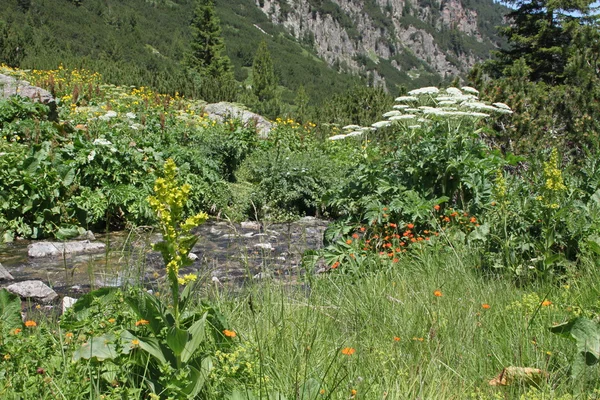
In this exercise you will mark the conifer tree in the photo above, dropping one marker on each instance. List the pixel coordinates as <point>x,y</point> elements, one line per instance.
<point>541,33</point>
<point>264,84</point>
<point>207,59</point>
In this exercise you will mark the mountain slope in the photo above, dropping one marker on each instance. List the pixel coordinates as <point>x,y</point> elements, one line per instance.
<point>324,45</point>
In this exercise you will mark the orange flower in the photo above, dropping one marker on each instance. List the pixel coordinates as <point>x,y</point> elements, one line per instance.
<point>446,219</point>
<point>112,320</point>
<point>395,260</point>
<point>348,351</point>
<point>485,306</point>
<point>355,236</point>
<point>16,331</point>
<point>396,339</point>
<point>335,265</point>
<point>392,225</point>
<point>349,241</point>
<point>436,207</point>
<point>546,303</point>
<point>30,324</point>
<point>69,335</point>
<point>353,392</point>
<point>229,333</point>
<point>410,226</point>
<point>362,228</point>
<point>141,322</point>
<point>473,220</point>
<point>437,293</point>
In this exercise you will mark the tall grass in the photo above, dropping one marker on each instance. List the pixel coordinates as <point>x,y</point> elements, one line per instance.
<point>408,342</point>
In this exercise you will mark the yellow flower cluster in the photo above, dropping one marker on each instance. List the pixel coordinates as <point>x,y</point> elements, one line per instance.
<point>168,203</point>
<point>184,280</point>
<point>552,174</point>
<point>500,186</point>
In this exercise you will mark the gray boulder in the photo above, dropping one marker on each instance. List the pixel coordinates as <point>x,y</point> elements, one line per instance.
<point>46,249</point>
<point>221,111</point>
<point>33,290</point>
<point>10,86</point>
<point>5,275</point>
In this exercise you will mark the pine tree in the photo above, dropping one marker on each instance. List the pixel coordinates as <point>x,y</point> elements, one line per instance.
<point>211,67</point>
<point>264,84</point>
<point>541,33</point>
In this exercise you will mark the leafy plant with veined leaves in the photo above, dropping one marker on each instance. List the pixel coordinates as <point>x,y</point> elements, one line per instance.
<point>171,344</point>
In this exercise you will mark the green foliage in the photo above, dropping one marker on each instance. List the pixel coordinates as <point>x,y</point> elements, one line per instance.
<point>213,68</point>
<point>586,333</point>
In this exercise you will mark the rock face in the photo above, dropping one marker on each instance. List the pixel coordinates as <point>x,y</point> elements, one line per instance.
<point>223,110</point>
<point>442,34</point>
<point>33,290</point>
<point>46,249</point>
<point>5,275</point>
<point>10,86</point>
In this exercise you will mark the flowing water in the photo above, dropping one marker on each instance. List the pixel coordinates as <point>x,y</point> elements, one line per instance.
<point>229,253</point>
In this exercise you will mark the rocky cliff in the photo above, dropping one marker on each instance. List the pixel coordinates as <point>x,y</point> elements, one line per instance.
<point>445,37</point>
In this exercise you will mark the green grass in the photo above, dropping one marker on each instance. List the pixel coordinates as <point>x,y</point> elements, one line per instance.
<point>449,347</point>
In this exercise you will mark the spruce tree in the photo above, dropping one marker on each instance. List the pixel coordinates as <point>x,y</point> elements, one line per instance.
<point>206,59</point>
<point>541,33</point>
<point>264,84</point>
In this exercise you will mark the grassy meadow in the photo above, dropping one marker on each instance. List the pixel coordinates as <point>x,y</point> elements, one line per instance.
<point>453,269</point>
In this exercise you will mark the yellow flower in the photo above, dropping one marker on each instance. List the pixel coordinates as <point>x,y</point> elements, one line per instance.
<point>135,343</point>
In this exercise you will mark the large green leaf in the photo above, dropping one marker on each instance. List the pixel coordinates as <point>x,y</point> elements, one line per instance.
<point>198,377</point>
<point>80,311</point>
<point>177,339</point>
<point>586,334</point>
<point>147,307</point>
<point>101,347</point>
<point>150,345</point>
<point>10,310</point>
<point>198,335</point>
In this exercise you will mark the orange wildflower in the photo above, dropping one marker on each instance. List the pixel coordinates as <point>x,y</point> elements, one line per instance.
<point>362,229</point>
<point>30,324</point>
<point>446,219</point>
<point>392,225</point>
<point>353,392</point>
<point>16,331</point>
<point>142,322</point>
<point>335,265</point>
<point>410,226</point>
<point>348,351</point>
<point>436,207</point>
<point>349,241</point>
<point>546,303</point>
<point>229,333</point>
<point>355,236</point>
<point>485,306</point>
<point>396,339</point>
<point>473,220</point>
<point>437,293</point>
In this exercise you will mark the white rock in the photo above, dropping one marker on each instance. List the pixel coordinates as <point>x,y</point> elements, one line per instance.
<point>45,249</point>
<point>67,302</point>
<point>250,225</point>
<point>192,256</point>
<point>35,290</point>
<point>264,246</point>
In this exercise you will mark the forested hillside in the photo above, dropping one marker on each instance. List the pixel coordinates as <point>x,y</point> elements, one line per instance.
<point>143,42</point>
